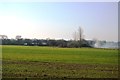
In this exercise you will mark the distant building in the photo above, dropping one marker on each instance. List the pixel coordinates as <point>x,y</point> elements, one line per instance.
<point>25,44</point>
<point>43,43</point>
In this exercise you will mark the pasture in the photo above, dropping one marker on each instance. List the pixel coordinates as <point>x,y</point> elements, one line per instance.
<point>54,62</point>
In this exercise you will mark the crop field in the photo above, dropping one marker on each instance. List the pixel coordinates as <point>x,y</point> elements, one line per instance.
<point>54,62</point>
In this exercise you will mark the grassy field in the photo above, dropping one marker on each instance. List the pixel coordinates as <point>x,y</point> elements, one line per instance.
<point>53,62</point>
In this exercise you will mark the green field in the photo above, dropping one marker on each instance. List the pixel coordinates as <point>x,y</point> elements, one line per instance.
<point>53,62</point>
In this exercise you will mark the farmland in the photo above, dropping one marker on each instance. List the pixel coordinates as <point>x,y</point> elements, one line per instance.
<point>54,62</point>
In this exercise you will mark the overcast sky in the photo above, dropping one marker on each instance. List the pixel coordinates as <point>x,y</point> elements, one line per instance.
<point>59,20</point>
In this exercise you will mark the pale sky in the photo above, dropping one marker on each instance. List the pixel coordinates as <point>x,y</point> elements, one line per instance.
<point>59,20</point>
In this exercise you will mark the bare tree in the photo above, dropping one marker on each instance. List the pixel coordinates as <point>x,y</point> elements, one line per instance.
<point>78,36</point>
<point>3,37</point>
<point>18,37</point>
<point>80,31</point>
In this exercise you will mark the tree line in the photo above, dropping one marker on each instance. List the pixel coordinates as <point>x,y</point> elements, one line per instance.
<point>45,42</point>
<point>78,41</point>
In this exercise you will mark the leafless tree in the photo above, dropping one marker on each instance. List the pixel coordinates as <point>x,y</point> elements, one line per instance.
<point>80,31</point>
<point>78,36</point>
<point>18,37</point>
<point>3,37</point>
